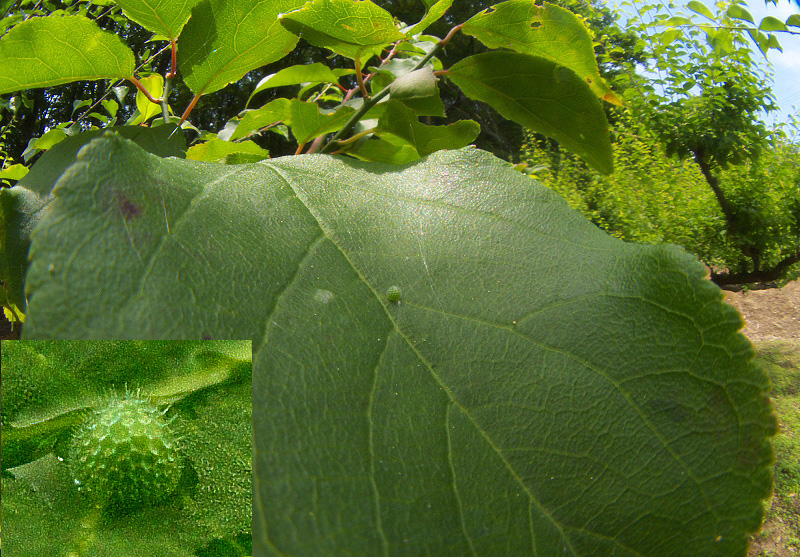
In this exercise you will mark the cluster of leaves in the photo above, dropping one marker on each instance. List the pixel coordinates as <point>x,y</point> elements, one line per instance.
<point>708,90</point>
<point>447,358</point>
<point>32,121</point>
<point>551,49</point>
<point>702,97</point>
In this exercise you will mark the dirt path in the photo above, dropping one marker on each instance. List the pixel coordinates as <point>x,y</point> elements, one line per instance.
<point>772,314</point>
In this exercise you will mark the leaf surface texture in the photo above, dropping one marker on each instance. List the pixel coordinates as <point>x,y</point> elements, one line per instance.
<point>539,388</point>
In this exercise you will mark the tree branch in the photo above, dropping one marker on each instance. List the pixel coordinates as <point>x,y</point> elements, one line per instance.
<point>727,210</point>
<point>143,89</point>
<point>767,275</point>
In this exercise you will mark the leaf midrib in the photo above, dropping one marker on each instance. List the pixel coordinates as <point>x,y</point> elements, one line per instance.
<point>412,347</point>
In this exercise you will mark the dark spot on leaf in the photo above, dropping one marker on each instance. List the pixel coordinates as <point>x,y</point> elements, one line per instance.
<point>128,208</point>
<point>589,80</point>
<point>535,24</point>
<point>669,409</point>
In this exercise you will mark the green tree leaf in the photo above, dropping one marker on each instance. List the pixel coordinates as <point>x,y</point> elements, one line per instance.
<point>435,12</point>
<point>13,172</point>
<point>538,387</point>
<point>225,151</point>
<point>770,23</point>
<point>389,149</point>
<point>225,39</point>
<point>21,206</point>
<point>165,17</point>
<point>49,139</point>
<point>542,96</point>
<point>700,8</point>
<point>547,31</point>
<point>294,75</point>
<point>52,50</point>
<point>420,83</point>
<point>402,122</point>
<point>349,28</point>
<point>306,119</point>
<point>738,12</point>
<point>677,20</point>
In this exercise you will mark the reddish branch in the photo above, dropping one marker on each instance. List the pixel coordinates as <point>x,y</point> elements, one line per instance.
<point>144,91</point>
<point>189,109</point>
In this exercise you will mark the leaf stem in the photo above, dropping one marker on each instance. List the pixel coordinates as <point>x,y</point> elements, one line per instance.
<point>189,108</point>
<point>168,80</point>
<point>355,137</point>
<point>143,89</point>
<point>360,79</point>
<point>373,100</point>
<point>174,65</point>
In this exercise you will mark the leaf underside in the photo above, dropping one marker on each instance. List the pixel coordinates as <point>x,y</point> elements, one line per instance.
<point>45,51</point>
<point>225,39</point>
<point>540,387</point>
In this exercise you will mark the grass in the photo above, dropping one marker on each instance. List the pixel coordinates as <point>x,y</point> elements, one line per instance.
<point>780,533</point>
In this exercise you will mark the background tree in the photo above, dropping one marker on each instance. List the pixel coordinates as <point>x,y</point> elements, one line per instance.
<point>711,97</point>
<point>702,97</point>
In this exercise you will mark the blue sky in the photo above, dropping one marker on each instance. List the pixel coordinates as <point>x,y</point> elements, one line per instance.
<point>785,65</point>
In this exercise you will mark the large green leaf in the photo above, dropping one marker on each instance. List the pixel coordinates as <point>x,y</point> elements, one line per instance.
<point>538,387</point>
<point>21,207</point>
<point>49,390</point>
<point>548,31</point>
<point>225,39</point>
<point>44,51</point>
<point>542,96</point>
<point>165,17</point>
<point>349,28</point>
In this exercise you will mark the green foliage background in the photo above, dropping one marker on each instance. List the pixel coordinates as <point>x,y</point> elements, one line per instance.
<point>654,198</point>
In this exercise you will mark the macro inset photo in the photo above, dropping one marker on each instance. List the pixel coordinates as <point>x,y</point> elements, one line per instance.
<point>127,448</point>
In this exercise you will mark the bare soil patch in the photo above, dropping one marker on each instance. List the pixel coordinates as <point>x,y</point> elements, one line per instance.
<point>772,314</point>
